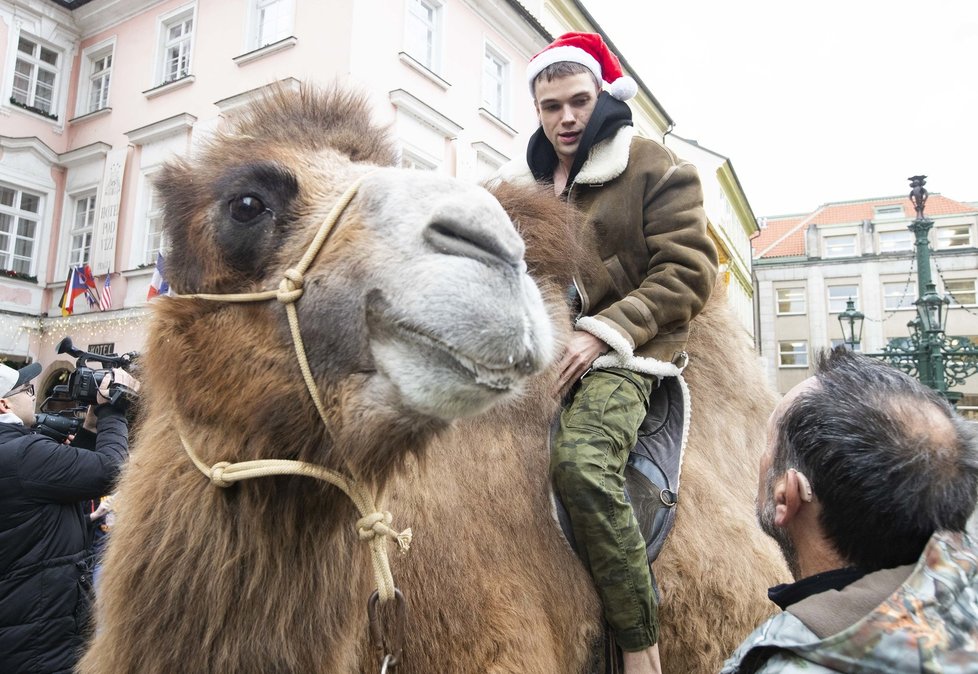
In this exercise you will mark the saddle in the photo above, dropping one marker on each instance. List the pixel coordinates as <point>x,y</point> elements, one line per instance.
<point>654,467</point>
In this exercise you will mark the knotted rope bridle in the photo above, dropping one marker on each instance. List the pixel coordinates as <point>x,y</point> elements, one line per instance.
<point>374,525</point>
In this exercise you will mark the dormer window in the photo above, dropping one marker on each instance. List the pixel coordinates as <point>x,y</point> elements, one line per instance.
<point>888,212</point>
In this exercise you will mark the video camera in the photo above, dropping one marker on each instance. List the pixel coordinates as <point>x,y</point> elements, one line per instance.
<point>81,389</point>
<point>59,426</point>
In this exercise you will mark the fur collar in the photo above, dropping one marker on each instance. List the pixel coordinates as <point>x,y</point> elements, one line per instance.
<point>607,160</point>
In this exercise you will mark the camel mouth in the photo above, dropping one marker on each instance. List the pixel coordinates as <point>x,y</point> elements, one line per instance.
<point>496,377</point>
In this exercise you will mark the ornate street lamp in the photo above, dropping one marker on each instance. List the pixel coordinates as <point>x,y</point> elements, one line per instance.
<point>931,310</point>
<point>851,322</point>
<point>939,361</point>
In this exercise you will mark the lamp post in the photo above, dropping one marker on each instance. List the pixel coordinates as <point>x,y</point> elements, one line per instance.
<point>851,322</point>
<point>939,361</point>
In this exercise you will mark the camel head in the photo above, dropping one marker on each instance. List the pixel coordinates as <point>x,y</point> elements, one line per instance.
<point>416,310</point>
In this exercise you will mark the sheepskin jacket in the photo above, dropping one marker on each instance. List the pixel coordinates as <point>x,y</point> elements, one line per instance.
<point>653,264</point>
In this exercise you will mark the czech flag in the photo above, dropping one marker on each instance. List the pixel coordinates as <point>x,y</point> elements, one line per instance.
<point>159,284</point>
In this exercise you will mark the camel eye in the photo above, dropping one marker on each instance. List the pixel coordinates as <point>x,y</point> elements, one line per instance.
<point>246,208</point>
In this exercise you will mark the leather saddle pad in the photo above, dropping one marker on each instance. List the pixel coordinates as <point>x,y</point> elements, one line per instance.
<point>654,466</point>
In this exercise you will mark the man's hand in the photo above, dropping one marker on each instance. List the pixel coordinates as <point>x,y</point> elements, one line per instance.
<point>582,349</point>
<point>118,376</point>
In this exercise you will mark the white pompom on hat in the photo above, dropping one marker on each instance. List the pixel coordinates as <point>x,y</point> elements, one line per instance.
<point>589,50</point>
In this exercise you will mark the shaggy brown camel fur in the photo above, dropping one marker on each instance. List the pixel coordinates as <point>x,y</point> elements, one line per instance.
<point>429,344</point>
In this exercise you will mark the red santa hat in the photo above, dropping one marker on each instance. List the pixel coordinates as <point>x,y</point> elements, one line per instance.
<point>590,51</point>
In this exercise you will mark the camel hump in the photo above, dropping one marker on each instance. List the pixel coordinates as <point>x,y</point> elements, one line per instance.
<point>654,467</point>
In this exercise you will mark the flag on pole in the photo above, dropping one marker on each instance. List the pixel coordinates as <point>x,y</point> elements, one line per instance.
<point>159,284</point>
<point>74,286</point>
<point>105,299</point>
<point>91,290</point>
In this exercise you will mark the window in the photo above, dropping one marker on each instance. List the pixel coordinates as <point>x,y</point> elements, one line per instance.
<point>899,239</point>
<point>19,216</point>
<point>898,295</point>
<point>154,241</point>
<point>791,300</point>
<point>35,77</point>
<point>793,354</point>
<point>841,342</point>
<point>495,69</point>
<point>423,32</point>
<point>958,236</point>
<point>82,227</point>
<point>890,212</point>
<point>178,33</point>
<point>100,69</point>
<point>272,22</point>
<point>961,290</point>
<point>840,246</point>
<point>413,160</point>
<point>839,295</point>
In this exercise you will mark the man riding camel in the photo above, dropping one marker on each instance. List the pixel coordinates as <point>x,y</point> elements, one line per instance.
<point>652,269</point>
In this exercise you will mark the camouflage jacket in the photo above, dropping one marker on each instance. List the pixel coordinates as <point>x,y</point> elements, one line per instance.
<point>930,624</point>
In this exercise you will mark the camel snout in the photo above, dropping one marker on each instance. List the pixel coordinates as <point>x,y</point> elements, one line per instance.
<point>474,225</point>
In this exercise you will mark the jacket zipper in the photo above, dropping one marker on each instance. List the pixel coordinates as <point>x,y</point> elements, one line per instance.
<point>579,286</point>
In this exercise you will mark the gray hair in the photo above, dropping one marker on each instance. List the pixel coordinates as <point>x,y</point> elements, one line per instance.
<point>889,460</point>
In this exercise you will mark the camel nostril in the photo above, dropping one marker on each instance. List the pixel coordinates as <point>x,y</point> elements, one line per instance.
<point>474,239</point>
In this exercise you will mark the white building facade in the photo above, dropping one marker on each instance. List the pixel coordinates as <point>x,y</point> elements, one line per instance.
<point>808,266</point>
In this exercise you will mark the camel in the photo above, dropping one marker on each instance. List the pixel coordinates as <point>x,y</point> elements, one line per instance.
<point>429,318</point>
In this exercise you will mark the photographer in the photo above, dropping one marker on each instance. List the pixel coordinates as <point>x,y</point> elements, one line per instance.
<point>45,535</point>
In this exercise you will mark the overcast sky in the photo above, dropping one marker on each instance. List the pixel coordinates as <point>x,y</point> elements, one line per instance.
<point>814,101</point>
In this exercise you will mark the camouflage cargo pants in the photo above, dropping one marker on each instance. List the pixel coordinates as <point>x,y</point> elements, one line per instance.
<point>590,450</point>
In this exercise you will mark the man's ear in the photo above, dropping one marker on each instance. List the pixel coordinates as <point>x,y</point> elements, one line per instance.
<point>4,406</point>
<point>790,493</point>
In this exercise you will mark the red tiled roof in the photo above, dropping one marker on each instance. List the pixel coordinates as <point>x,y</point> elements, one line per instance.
<point>773,237</point>
<point>785,236</point>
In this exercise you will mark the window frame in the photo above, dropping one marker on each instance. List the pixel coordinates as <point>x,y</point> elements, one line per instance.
<point>826,246</point>
<point>973,291</point>
<point>15,215</point>
<point>939,238</point>
<point>90,56</point>
<point>907,292</point>
<point>432,60</point>
<point>829,298</point>
<point>782,353</point>
<point>36,64</point>
<point>501,81</point>
<point>778,301</point>
<point>254,39</point>
<point>838,341</point>
<point>165,23</point>
<point>417,160</point>
<point>904,233</point>
<point>154,238</point>
<point>888,212</point>
<point>73,231</point>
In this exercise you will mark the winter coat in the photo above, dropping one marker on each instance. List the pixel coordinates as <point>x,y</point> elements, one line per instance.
<point>653,264</point>
<point>928,624</point>
<point>45,538</point>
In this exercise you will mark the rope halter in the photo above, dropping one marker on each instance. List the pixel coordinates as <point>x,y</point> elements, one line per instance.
<point>374,526</point>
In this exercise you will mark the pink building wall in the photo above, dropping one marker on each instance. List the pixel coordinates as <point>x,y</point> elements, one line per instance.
<point>359,42</point>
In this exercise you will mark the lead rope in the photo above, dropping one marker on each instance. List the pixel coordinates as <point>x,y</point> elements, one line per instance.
<point>373,525</point>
